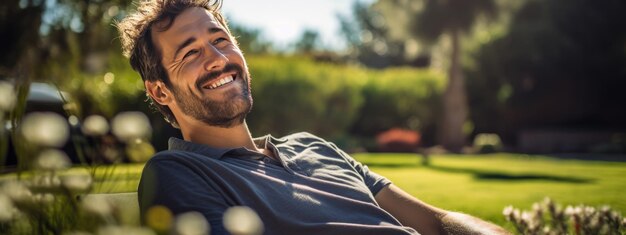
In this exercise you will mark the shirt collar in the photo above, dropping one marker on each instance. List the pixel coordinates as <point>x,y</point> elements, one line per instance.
<point>218,153</point>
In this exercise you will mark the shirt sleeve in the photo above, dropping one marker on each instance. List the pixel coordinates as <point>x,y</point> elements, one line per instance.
<point>374,181</point>
<point>175,184</point>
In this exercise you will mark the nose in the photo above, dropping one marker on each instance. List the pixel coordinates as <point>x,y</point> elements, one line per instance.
<point>215,60</point>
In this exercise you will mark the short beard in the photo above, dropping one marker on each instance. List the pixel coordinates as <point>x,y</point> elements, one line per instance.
<point>225,114</point>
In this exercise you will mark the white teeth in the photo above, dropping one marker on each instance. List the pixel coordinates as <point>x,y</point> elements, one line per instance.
<point>221,82</point>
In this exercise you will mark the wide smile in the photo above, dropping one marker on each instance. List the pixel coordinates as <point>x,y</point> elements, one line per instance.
<point>220,82</point>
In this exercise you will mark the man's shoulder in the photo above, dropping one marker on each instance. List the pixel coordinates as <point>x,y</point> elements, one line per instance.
<point>302,137</point>
<point>169,156</point>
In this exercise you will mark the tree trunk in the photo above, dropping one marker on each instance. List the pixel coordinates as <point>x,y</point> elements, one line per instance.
<point>455,108</point>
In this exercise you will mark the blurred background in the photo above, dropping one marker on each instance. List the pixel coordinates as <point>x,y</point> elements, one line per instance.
<point>503,94</point>
<point>395,75</point>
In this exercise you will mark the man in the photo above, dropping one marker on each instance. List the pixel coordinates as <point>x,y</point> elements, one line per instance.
<point>195,74</point>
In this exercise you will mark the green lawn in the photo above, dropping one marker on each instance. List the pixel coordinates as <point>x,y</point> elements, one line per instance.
<point>482,185</point>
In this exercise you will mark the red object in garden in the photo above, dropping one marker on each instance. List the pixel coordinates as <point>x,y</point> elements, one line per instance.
<point>398,140</point>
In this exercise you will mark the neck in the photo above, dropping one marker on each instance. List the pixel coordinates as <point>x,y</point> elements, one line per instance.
<point>218,137</point>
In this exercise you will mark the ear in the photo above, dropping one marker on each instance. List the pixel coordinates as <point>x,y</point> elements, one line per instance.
<point>159,92</point>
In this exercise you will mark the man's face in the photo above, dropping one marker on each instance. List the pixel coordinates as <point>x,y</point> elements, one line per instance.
<point>209,76</point>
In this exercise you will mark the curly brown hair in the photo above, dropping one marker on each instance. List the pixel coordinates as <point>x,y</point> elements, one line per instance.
<point>135,35</point>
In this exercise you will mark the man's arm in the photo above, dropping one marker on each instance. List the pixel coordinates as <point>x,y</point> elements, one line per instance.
<point>427,219</point>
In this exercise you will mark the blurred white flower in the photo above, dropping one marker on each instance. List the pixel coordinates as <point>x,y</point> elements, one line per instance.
<point>45,198</point>
<point>242,220</point>
<point>569,210</point>
<point>589,210</point>
<point>97,205</point>
<point>73,120</point>
<point>109,78</point>
<point>16,190</point>
<point>537,207</point>
<point>46,129</point>
<point>615,215</point>
<point>128,126</point>
<point>605,209</point>
<point>508,211</point>
<point>52,160</point>
<point>46,181</point>
<point>126,230</point>
<point>191,223</point>
<point>7,96</point>
<point>578,211</point>
<point>95,125</point>
<point>77,183</point>
<point>7,209</point>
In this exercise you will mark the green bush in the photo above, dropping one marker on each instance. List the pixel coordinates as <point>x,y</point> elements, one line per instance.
<point>298,94</point>
<point>401,97</point>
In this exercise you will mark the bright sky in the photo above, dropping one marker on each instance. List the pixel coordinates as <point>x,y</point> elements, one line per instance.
<point>283,21</point>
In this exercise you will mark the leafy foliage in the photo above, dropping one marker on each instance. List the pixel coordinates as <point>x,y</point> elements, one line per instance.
<point>294,94</point>
<point>559,65</point>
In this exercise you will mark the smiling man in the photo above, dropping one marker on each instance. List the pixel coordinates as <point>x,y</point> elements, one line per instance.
<point>197,77</point>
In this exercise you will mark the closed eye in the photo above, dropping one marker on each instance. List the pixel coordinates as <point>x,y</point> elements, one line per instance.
<point>191,52</point>
<point>219,40</point>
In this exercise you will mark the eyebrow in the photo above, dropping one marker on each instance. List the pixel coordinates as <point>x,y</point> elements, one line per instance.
<point>193,39</point>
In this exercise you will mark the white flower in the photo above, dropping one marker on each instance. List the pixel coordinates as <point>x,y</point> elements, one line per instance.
<point>508,211</point>
<point>7,96</point>
<point>16,191</point>
<point>191,223</point>
<point>77,183</point>
<point>569,210</point>
<point>46,181</point>
<point>45,129</point>
<point>128,126</point>
<point>242,220</point>
<point>97,205</point>
<point>537,207</point>
<point>527,217</point>
<point>45,198</point>
<point>589,210</point>
<point>95,125</point>
<point>126,230</point>
<point>578,211</point>
<point>7,209</point>
<point>52,160</point>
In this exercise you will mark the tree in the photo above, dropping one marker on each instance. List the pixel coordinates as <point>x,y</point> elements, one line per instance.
<point>558,66</point>
<point>308,41</point>
<point>453,18</point>
<point>249,39</point>
<point>369,38</point>
<point>49,39</point>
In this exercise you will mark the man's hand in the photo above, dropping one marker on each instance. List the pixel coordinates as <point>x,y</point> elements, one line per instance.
<point>427,219</point>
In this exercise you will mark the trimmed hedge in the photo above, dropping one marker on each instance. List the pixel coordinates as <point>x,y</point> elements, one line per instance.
<point>297,94</point>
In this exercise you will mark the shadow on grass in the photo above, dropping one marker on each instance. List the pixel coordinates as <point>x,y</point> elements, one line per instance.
<point>493,175</point>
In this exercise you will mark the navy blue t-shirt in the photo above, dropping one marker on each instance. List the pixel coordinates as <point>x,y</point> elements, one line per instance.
<point>314,188</point>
